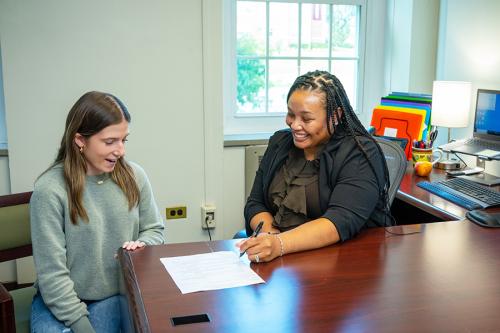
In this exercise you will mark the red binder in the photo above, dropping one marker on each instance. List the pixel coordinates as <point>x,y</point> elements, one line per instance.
<point>406,125</point>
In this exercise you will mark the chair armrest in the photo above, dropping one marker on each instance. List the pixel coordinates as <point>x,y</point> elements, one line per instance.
<point>7,318</point>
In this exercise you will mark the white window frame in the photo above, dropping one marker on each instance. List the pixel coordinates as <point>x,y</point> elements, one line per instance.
<point>271,121</point>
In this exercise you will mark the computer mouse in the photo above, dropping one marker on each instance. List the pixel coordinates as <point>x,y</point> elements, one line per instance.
<point>483,218</point>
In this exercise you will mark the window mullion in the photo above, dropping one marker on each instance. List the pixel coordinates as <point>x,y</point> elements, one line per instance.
<point>330,9</point>
<point>299,54</point>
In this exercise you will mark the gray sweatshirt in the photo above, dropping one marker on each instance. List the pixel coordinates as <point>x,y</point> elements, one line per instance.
<point>76,262</point>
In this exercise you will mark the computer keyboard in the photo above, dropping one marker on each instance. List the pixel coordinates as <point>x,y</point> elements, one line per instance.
<point>463,192</point>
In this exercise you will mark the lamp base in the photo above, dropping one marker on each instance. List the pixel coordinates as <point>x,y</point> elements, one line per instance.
<point>448,165</point>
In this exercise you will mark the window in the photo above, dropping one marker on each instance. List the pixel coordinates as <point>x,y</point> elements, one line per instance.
<point>275,41</point>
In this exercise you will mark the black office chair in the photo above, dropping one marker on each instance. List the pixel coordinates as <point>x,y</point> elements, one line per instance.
<point>396,164</point>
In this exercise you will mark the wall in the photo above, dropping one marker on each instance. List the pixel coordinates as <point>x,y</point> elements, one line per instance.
<point>411,45</point>
<point>151,56</point>
<point>424,38</point>
<point>469,51</point>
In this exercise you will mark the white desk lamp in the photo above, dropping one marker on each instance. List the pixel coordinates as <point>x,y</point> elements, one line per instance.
<point>450,108</point>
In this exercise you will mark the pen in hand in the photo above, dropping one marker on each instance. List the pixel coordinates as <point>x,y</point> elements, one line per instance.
<point>254,234</point>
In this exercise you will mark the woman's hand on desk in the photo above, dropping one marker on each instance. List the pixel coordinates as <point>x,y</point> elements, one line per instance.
<point>265,247</point>
<point>133,245</point>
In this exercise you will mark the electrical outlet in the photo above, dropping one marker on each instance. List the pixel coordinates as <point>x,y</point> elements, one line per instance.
<point>208,217</point>
<point>176,212</point>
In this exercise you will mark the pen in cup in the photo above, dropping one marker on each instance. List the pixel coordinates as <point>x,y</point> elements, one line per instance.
<point>254,234</point>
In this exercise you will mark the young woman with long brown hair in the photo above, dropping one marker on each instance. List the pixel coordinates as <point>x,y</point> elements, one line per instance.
<point>84,207</point>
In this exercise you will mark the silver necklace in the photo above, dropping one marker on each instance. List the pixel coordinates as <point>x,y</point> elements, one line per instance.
<point>101,179</point>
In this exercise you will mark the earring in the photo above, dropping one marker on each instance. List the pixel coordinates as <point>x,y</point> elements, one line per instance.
<point>81,150</point>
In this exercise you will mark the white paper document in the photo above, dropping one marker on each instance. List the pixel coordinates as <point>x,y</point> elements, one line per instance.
<point>210,271</point>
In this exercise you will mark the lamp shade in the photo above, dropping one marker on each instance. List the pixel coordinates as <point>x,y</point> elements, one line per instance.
<point>451,103</point>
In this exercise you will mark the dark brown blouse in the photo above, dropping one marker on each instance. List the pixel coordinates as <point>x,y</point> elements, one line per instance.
<point>294,191</point>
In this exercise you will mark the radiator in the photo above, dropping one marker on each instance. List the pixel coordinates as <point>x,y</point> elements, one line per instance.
<point>253,156</point>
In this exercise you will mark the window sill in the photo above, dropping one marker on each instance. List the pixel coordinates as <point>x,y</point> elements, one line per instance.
<point>3,149</point>
<point>242,140</point>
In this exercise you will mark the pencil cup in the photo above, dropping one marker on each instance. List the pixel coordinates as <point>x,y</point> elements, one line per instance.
<point>425,155</point>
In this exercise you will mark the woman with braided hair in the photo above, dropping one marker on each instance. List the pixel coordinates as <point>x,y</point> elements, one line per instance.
<point>321,181</point>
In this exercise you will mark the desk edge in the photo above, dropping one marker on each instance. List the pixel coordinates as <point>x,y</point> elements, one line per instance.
<point>134,299</point>
<point>427,207</point>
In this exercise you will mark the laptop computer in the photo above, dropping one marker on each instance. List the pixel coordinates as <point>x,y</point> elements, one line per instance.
<point>485,142</point>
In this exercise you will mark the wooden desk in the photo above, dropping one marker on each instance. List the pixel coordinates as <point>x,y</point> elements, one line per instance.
<point>444,279</point>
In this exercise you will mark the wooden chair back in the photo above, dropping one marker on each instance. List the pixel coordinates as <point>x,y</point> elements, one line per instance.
<point>15,243</point>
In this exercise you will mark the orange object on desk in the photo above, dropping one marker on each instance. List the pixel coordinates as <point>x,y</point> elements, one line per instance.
<point>398,124</point>
<point>423,168</point>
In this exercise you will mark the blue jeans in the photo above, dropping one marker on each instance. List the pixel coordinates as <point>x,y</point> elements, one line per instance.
<point>104,315</point>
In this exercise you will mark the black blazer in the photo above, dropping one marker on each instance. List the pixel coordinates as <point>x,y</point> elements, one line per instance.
<point>350,195</point>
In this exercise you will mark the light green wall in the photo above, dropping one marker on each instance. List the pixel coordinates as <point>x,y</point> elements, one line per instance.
<point>412,45</point>
<point>469,51</point>
<point>151,55</point>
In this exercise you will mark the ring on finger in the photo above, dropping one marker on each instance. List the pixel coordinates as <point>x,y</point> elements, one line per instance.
<point>257,258</point>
